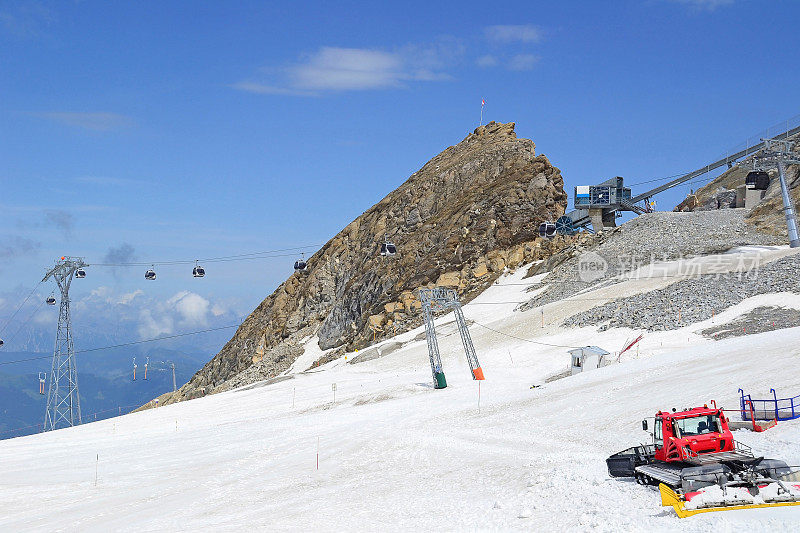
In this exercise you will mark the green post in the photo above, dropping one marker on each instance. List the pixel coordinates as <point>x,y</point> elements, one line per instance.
<point>441,382</point>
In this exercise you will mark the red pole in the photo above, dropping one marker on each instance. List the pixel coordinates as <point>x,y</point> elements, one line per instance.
<point>752,415</point>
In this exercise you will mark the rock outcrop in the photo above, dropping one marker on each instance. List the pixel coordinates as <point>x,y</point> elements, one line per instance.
<point>469,213</point>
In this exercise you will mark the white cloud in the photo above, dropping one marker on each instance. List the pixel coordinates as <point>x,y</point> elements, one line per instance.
<point>102,292</point>
<point>107,181</point>
<point>106,295</point>
<point>486,61</point>
<point>192,308</point>
<point>125,299</point>
<point>347,69</point>
<point>90,121</point>
<point>183,311</point>
<point>709,5</point>
<point>513,33</point>
<point>151,327</point>
<point>45,318</point>
<point>263,88</point>
<point>522,62</point>
<point>108,315</point>
<point>360,69</point>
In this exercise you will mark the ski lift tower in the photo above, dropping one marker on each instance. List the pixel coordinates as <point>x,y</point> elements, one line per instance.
<point>446,299</point>
<point>63,402</point>
<point>777,153</point>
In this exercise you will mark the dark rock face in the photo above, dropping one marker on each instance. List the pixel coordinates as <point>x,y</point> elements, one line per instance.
<point>469,212</point>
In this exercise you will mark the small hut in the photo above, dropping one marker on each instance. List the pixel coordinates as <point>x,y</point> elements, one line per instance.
<point>588,358</point>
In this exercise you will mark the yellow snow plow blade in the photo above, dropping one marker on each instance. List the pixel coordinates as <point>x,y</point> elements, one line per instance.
<point>670,498</point>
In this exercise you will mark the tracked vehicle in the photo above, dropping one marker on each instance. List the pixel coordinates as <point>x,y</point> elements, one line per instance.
<point>699,467</point>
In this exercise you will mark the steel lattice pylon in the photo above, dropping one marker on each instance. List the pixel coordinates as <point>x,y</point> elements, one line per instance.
<point>446,299</point>
<point>63,401</point>
<point>777,153</point>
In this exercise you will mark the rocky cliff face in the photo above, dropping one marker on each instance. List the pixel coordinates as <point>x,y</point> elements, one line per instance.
<point>470,212</point>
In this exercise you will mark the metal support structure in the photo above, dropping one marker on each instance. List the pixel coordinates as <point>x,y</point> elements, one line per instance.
<point>581,217</point>
<point>729,159</point>
<point>159,366</point>
<point>63,400</point>
<point>788,209</point>
<point>433,344</point>
<point>777,153</point>
<point>446,299</point>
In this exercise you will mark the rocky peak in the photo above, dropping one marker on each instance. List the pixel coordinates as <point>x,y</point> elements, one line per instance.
<point>466,215</point>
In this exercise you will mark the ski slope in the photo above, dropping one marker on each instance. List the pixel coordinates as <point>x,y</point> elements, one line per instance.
<point>392,453</point>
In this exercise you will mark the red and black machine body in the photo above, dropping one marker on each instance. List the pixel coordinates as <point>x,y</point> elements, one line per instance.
<point>679,436</point>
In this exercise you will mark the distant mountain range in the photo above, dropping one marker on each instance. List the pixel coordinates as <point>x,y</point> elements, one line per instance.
<point>105,381</point>
<point>133,322</point>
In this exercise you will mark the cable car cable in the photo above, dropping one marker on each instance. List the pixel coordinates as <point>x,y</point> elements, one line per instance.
<point>125,344</point>
<point>239,257</point>
<point>526,340</point>
<point>25,323</point>
<point>2,330</point>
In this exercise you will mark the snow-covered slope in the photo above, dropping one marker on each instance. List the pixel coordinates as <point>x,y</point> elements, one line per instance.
<point>395,454</point>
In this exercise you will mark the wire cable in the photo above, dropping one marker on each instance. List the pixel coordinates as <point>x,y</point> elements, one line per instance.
<point>36,310</point>
<point>18,308</point>
<point>156,339</point>
<point>653,180</point>
<point>124,344</point>
<point>526,340</point>
<point>240,257</point>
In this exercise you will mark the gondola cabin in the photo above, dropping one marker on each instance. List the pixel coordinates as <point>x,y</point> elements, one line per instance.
<point>388,249</point>
<point>757,180</point>
<point>547,230</point>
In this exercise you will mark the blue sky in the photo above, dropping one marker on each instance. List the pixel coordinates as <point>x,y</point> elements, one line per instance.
<point>182,130</point>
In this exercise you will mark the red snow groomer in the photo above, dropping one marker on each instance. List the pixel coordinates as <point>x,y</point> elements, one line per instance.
<point>700,468</point>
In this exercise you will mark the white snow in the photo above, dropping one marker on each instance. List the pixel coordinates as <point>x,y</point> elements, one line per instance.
<point>395,454</point>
